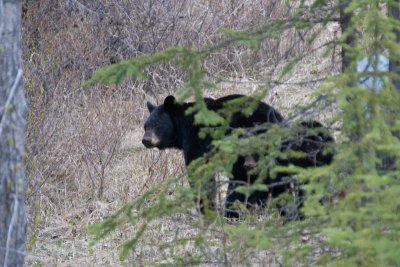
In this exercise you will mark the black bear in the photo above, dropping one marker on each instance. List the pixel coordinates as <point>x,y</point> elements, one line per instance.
<point>317,147</point>
<point>168,126</point>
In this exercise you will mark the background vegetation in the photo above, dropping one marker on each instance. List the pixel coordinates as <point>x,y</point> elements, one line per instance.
<point>85,157</point>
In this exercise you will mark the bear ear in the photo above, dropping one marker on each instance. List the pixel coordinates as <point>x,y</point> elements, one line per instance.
<point>150,106</point>
<point>169,103</point>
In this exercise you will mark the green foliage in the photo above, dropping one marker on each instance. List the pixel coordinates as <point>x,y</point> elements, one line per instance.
<point>352,206</point>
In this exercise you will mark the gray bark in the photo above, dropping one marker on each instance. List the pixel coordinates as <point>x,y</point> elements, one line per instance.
<point>13,112</point>
<point>393,65</point>
<point>344,24</point>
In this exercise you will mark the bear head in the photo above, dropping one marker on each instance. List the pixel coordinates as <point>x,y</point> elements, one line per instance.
<point>159,128</point>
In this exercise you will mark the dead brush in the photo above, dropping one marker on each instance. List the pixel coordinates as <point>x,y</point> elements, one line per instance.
<point>99,132</point>
<point>85,158</point>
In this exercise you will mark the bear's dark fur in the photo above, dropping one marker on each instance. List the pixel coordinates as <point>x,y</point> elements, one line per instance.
<point>168,126</point>
<point>316,144</point>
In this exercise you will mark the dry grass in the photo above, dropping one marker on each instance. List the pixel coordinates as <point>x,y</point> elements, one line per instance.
<point>85,158</point>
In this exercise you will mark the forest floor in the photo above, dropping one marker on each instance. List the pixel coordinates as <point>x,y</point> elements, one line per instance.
<point>89,135</point>
<point>65,240</point>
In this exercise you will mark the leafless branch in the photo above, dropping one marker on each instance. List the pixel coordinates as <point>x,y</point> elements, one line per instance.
<point>12,222</point>
<point>1,15</point>
<point>277,82</point>
<point>80,6</point>
<point>10,96</point>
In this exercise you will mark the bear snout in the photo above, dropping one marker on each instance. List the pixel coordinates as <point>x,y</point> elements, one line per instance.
<point>147,143</point>
<point>150,140</point>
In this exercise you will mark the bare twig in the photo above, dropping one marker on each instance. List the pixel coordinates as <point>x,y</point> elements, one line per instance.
<point>16,200</point>
<point>10,96</point>
<point>1,15</point>
<point>81,6</point>
<point>276,82</point>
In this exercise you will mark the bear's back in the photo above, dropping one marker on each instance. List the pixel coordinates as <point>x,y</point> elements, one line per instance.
<point>262,114</point>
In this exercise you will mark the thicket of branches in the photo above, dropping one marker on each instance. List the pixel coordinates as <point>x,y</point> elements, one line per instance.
<point>358,223</point>
<point>65,41</point>
<point>79,168</point>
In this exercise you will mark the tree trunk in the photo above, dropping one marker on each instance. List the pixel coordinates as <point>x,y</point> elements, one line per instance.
<point>13,112</point>
<point>344,24</point>
<point>393,65</point>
